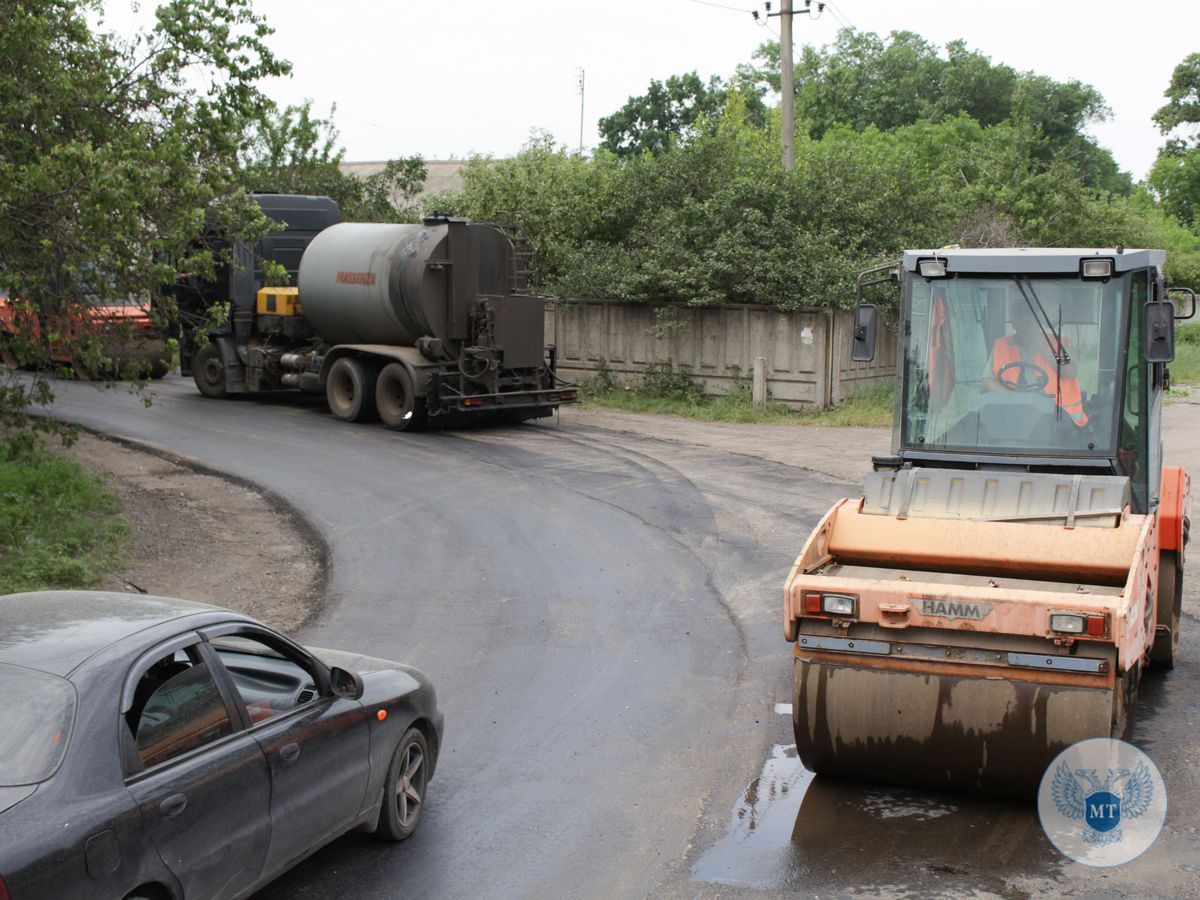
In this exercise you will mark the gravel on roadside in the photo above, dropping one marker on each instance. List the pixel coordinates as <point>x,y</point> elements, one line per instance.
<point>200,536</point>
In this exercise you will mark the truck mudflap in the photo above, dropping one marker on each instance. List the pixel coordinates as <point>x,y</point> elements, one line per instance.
<point>938,726</point>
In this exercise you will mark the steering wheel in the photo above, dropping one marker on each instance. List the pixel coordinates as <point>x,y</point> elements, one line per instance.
<point>1037,377</point>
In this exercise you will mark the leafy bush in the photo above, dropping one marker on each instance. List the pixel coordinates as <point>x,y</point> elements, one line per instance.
<point>603,382</point>
<point>662,380</point>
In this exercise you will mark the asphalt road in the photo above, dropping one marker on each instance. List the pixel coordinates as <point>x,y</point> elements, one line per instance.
<point>598,604</point>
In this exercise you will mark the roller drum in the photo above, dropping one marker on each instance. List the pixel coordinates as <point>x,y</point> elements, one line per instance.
<point>966,734</point>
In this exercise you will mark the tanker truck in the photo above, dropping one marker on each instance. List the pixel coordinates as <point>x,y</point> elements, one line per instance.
<point>1016,562</point>
<point>406,324</point>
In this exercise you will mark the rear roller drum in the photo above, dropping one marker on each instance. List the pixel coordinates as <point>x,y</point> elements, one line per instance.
<point>1169,605</point>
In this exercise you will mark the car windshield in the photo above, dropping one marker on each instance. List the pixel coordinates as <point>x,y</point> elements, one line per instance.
<point>36,712</point>
<point>986,371</point>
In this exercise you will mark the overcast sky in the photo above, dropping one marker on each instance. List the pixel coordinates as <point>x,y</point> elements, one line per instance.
<point>448,79</point>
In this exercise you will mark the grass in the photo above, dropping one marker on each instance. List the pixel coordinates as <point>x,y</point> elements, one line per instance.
<point>1186,367</point>
<point>869,408</point>
<point>60,527</point>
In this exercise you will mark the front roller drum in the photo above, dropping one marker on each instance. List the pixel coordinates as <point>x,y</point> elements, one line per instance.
<point>971,734</point>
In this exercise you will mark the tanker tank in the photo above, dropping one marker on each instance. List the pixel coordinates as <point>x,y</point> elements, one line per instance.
<point>392,284</point>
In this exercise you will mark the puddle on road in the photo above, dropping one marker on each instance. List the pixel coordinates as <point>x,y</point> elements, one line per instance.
<point>792,831</point>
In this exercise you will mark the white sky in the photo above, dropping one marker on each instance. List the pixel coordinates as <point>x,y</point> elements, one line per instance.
<point>445,80</point>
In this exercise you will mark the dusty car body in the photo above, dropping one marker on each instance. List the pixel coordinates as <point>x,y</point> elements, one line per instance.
<point>152,747</point>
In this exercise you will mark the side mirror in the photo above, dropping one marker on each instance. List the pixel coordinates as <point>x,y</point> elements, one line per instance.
<point>1178,296</point>
<point>345,683</point>
<point>1158,332</point>
<point>866,323</point>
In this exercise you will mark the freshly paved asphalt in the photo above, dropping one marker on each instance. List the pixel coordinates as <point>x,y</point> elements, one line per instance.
<point>597,601</point>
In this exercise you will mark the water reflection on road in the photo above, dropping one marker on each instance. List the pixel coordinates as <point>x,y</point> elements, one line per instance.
<point>791,831</point>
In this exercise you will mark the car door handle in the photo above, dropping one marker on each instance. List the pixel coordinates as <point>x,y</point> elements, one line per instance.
<point>289,753</point>
<point>173,806</point>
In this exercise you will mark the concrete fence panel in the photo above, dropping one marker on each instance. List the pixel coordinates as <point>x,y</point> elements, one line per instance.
<point>807,351</point>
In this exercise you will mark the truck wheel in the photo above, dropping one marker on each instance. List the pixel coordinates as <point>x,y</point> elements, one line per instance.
<point>399,406</point>
<point>208,371</point>
<point>1169,603</point>
<point>350,390</point>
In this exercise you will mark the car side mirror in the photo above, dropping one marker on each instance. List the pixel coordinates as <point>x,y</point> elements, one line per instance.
<point>345,684</point>
<point>1158,332</point>
<point>866,323</point>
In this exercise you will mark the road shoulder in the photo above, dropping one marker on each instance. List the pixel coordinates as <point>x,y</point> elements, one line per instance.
<point>201,536</point>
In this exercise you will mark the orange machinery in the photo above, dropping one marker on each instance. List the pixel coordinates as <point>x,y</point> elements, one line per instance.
<point>1012,567</point>
<point>127,333</point>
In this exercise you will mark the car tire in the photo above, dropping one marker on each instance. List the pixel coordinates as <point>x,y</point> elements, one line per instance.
<point>399,407</point>
<point>350,390</point>
<point>404,788</point>
<point>208,371</point>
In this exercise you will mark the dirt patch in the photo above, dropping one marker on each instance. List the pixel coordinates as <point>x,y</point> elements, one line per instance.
<point>204,537</point>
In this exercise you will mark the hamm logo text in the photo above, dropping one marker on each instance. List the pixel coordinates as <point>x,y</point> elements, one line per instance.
<point>955,609</point>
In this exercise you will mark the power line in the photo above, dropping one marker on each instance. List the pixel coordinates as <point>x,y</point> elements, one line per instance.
<point>837,14</point>
<point>740,9</point>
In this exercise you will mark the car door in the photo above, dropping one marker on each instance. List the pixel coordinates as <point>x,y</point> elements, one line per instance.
<point>199,778</point>
<point>316,745</point>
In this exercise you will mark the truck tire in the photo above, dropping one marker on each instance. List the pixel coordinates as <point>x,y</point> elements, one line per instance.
<point>1169,608</point>
<point>396,399</point>
<point>350,390</point>
<point>208,371</point>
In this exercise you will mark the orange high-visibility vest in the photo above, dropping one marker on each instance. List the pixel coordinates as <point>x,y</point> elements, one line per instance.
<point>1006,350</point>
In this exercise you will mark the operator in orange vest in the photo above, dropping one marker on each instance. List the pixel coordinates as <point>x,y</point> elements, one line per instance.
<point>1024,361</point>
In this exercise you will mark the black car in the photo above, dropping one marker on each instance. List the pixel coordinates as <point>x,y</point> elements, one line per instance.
<point>158,748</point>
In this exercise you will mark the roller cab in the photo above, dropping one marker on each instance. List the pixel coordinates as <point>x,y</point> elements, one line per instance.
<point>1015,564</point>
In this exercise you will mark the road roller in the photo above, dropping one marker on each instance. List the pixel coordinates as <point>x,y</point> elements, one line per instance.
<point>404,323</point>
<point>1015,563</point>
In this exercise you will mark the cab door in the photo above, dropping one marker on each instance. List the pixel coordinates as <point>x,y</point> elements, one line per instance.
<point>199,779</point>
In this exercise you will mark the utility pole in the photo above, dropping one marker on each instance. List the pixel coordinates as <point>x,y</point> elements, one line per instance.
<point>787,86</point>
<point>581,74</point>
<point>787,82</point>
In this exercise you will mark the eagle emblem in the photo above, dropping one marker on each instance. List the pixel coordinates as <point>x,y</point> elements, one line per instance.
<point>1102,806</point>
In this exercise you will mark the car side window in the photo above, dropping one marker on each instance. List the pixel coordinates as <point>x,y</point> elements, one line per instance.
<point>176,708</point>
<point>270,680</point>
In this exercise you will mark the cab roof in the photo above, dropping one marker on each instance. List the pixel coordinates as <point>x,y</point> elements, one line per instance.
<point>1033,260</point>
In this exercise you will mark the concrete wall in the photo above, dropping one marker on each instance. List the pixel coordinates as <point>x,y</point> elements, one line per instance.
<point>807,351</point>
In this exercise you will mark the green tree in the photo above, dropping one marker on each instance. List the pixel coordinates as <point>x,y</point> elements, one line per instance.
<point>1175,178</point>
<point>864,81</point>
<point>294,152</point>
<point>113,161</point>
<point>670,111</point>
<point>1183,98</point>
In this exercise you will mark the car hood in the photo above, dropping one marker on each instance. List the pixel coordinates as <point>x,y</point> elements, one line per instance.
<point>11,796</point>
<point>363,665</point>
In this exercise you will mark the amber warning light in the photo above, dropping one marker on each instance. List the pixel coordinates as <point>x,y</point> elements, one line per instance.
<point>381,715</point>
